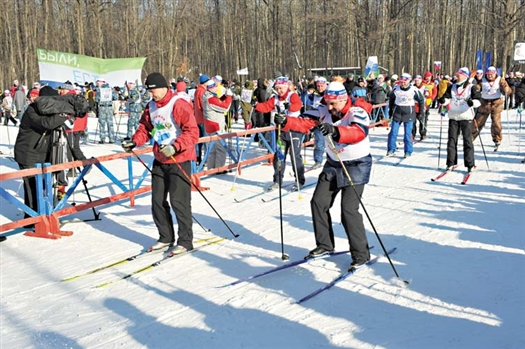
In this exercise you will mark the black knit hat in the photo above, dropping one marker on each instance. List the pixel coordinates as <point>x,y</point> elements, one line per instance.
<point>48,91</point>
<point>155,80</point>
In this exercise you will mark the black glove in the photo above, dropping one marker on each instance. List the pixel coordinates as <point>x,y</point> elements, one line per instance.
<point>280,119</point>
<point>254,103</point>
<point>128,145</point>
<point>441,100</point>
<point>470,102</point>
<point>328,129</point>
<point>81,106</point>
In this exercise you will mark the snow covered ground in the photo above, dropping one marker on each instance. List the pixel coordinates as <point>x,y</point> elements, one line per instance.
<point>460,246</point>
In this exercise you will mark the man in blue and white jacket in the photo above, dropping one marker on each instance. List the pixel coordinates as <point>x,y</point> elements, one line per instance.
<point>402,109</point>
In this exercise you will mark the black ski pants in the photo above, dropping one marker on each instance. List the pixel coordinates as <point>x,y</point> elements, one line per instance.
<point>292,144</point>
<point>454,129</point>
<point>169,179</point>
<point>422,120</point>
<point>30,193</point>
<point>322,200</point>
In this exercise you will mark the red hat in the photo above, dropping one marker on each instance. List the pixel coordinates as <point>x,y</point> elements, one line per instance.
<point>181,86</point>
<point>34,93</point>
<point>427,74</point>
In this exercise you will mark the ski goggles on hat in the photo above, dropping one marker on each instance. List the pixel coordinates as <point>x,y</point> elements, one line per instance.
<point>405,77</point>
<point>335,95</point>
<point>281,81</point>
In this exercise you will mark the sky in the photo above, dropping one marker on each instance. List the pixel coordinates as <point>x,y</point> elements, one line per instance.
<point>461,247</point>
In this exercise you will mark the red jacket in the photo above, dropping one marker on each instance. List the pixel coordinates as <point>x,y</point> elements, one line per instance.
<point>80,123</point>
<point>347,134</point>
<point>269,105</point>
<point>197,104</point>
<point>183,116</point>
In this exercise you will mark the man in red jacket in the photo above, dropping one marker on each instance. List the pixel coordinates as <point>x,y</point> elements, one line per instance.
<point>199,112</point>
<point>288,103</point>
<point>170,121</point>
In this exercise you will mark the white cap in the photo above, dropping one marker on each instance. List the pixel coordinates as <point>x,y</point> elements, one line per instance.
<point>101,79</point>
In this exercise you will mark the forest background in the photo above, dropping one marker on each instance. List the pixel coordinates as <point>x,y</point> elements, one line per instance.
<point>188,37</point>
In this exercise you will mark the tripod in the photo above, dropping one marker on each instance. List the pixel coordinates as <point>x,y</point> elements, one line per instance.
<point>74,157</point>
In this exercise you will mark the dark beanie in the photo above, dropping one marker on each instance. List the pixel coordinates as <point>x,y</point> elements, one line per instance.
<point>155,80</point>
<point>48,91</point>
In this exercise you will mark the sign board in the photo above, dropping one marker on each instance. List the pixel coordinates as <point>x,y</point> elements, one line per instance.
<point>57,67</point>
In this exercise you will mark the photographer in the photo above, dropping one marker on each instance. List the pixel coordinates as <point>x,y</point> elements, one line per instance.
<point>33,144</point>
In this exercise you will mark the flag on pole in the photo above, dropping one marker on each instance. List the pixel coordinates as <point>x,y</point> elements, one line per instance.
<point>372,68</point>
<point>479,59</point>
<point>242,71</point>
<point>488,60</point>
<point>437,65</point>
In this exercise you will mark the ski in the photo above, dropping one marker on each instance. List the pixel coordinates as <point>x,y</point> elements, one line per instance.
<point>288,193</point>
<point>282,267</point>
<point>341,277</point>
<point>122,261</point>
<point>159,262</point>
<point>467,176</point>
<point>403,159</point>
<point>443,174</point>
<point>285,266</point>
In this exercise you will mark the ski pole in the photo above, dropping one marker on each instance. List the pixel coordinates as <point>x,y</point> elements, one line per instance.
<point>203,196</point>
<point>146,166</point>
<point>519,137</point>
<point>334,149</point>
<point>294,163</point>
<point>8,137</point>
<point>278,145</point>
<point>96,214</point>
<point>482,147</point>
<point>442,114</point>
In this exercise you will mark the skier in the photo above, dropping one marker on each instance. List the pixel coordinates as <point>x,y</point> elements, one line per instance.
<point>462,96</point>
<point>493,90</point>
<point>402,103</point>
<point>289,103</point>
<point>169,119</point>
<point>346,123</point>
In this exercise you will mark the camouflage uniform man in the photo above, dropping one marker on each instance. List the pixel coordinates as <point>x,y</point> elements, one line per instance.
<point>135,108</point>
<point>144,97</point>
<point>104,99</point>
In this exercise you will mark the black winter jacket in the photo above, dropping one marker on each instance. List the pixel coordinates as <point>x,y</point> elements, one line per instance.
<point>520,92</point>
<point>33,143</point>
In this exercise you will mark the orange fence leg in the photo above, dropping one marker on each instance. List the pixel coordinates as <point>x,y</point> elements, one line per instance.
<point>48,228</point>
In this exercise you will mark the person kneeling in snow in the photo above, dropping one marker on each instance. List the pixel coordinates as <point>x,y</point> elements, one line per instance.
<point>345,121</point>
